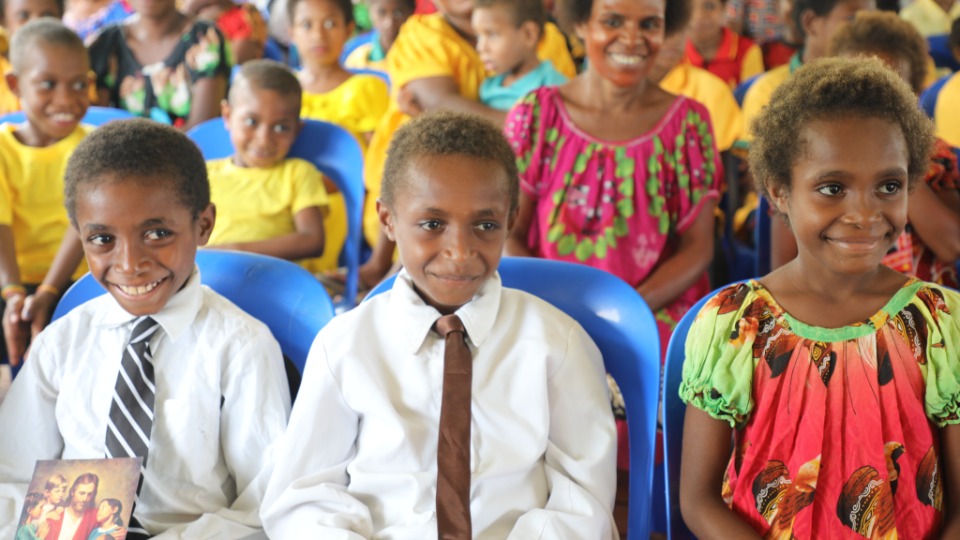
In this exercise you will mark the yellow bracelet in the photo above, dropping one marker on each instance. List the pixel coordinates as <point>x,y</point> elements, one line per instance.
<point>43,287</point>
<point>14,289</point>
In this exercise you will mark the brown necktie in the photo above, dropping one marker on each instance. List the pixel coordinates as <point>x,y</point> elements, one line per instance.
<point>453,447</point>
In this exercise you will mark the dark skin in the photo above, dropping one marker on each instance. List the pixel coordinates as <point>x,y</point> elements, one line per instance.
<point>152,37</point>
<point>611,113</point>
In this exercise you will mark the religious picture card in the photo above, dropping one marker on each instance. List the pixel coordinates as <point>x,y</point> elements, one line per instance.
<point>80,498</point>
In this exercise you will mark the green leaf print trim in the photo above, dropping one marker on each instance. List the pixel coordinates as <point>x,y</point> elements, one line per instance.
<point>601,248</point>
<point>566,245</point>
<point>584,249</point>
<point>555,233</point>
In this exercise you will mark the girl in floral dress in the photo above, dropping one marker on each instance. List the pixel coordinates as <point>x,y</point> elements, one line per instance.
<point>161,64</point>
<point>837,375</point>
<point>615,172</point>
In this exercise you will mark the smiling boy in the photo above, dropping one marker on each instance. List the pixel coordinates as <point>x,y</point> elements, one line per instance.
<point>360,458</point>
<point>210,390</point>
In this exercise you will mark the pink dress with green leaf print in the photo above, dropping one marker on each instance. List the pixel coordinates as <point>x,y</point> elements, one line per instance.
<point>617,206</point>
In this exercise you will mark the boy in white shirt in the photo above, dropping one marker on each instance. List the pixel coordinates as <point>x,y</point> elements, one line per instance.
<point>360,456</point>
<point>209,377</point>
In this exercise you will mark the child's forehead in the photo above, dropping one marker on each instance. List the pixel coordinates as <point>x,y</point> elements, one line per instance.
<point>41,48</point>
<point>469,175</point>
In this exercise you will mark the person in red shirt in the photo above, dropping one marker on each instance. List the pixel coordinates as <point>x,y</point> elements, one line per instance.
<point>718,49</point>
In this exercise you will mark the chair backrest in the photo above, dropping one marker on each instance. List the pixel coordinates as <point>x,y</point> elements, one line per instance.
<point>354,42</point>
<point>96,116</point>
<point>332,150</point>
<point>939,47</point>
<point>740,92</point>
<point>674,411</point>
<point>622,326</point>
<point>281,294</point>
<point>929,97</point>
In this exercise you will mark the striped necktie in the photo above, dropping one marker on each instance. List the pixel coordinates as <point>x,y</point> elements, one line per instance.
<point>131,413</point>
<point>453,446</point>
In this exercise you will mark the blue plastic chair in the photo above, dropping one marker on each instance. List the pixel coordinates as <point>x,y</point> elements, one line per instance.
<point>336,153</point>
<point>929,97</point>
<point>939,47</point>
<point>674,411</point>
<point>280,294</point>
<point>96,116</point>
<point>624,329</point>
<point>353,43</point>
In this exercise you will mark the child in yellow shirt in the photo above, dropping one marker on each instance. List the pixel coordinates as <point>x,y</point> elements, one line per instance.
<point>386,16</point>
<point>38,251</point>
<point>266,202</point>
<point>16,13</point>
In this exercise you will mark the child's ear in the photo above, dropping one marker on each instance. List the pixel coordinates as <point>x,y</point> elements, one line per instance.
<point>386,219</point>
<point>777,194</point>
<point>205,222</point>
<point>530,32</point>
<point>13,82</point>
<point>298,129</point>
<point>512,219</point>
<point>810,22</point>
<point>580,30</point>
<point>225,110</point>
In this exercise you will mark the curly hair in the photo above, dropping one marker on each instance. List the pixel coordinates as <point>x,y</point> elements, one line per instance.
<point>142,151</point>
<point>345,6</point>
<point>676,14</point>
<point>445,133</point>
<point>38,32</point>
<point>883,32</point>
<point>266,75</point>
<point>834,89</point>
<point>520,11</point>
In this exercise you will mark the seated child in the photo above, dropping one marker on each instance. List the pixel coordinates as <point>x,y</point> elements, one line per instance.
<point>35,527</point>
<point>108,520</point>
<point>716,48</point>
<point>16,13</point>
<point>360,457</point>
<point>778,52</point>
<point>930,246</point>
<point>508,32</point>
<point>387,16</point>
<point>267,203</point>
<point>242,25</point>
<point>51,75</point>
<point>54,491</point>
<point>837,375</point>
<point>947,108</point>
<point>207,387</point>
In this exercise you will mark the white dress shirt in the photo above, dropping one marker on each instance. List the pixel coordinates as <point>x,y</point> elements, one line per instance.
<point>358,459</point>
<point>222,398</point>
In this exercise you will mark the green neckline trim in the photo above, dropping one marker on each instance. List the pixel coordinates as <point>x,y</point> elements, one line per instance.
<point>845,333</point>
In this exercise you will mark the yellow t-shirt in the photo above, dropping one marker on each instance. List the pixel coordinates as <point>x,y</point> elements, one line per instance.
<point>426,47</point>
<point>357,105</point>
<point>31,199</point>
<point>258,204</point>
<point>947,112</point>
<point>8,101</point>
<point>929,18</point>
<point>360,59</point>
<point>701,85</point>
<point>759,95</point>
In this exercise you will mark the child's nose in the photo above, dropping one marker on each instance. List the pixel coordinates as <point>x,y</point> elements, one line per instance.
<point>862,209</point>
<point>460,245</point>
<point>129,258</point>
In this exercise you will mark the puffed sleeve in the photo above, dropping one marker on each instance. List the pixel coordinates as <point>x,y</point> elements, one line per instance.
<point>369,102</point>
<point>940,310</point>
<point>696,165</point>
<point>719,364</point>
<point>208,56</point>
<point>103,56</point>
<point>522,129</point>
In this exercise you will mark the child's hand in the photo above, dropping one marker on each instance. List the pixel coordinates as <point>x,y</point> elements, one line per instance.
<point>43,528</point>
<point>119,533</point>
<point>16,330</point>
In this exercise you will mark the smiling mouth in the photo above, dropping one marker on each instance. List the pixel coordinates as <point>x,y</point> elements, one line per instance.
<point>627,60</point>
<point>138,290</point>
<point>63,117</point>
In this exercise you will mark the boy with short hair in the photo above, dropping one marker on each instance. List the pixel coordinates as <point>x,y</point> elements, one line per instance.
<point>160,368</point>
<point>508,32</point>
<point>38,252</point>
<point>713,46</point>
<point>361,456</point>
<point>13,15</point>
<point>266,202</point>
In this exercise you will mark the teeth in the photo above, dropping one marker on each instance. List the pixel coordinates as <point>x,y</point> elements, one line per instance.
<point>63,117</point>
<point>626,59</point>
<point>140,290</point>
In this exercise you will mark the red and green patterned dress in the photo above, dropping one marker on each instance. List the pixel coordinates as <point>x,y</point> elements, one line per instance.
<point>837,429</point>
<point>617,206</point>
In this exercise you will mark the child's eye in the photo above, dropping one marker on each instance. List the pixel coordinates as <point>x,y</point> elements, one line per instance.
<point>158,234</point>
<point>80,85</point>
<point>651,23</point>
<point>329,24</point>
<point>889,188</point>
<point>47,85</point>
<point>831,190</point>
<point>488,226</point>
<point>430,225</point>
<point>613,22</point>
<point>100,239</point>
<point>249,122</point>
<point>281,128</point>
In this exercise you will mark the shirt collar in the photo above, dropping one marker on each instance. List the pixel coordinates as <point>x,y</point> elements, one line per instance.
<point>174,318</point>
<point>416,318</point>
